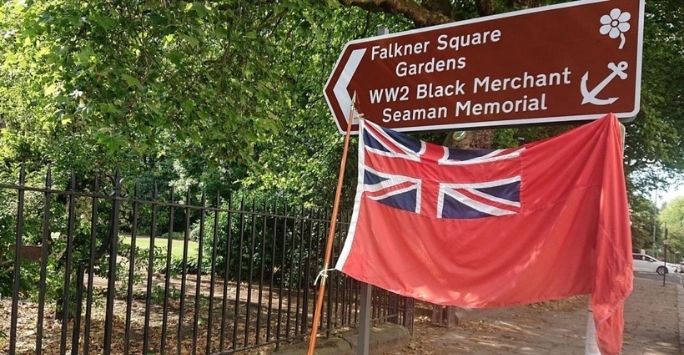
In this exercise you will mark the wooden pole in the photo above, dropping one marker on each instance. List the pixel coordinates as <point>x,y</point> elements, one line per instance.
<point>331,232</point>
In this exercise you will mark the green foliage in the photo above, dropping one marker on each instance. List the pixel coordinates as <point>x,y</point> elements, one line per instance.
<point>7,239</point>
<point>141,254</point>
<point>672,218</point>
<point>654,139</point>
<point>302,160</point>
<point>643,217</point>
<point>97,85</point>
<point>186,92</point>
<point>260,233</point>
<point>157,294</point>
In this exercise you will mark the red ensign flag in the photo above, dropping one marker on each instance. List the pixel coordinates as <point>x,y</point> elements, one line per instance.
<point>492,228</point>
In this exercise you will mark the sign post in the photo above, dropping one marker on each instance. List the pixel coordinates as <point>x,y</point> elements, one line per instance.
<point>665,244</point>
<point>365,300</point>
<point>574,61</point>
<point>366,293</point>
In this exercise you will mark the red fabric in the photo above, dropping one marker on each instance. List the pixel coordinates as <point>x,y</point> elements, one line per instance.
<point>569,236</point>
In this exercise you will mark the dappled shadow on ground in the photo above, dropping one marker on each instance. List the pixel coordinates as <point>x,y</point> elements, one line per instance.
<point>233,331</point>
<point>556,327</point>
<point>520,330</point>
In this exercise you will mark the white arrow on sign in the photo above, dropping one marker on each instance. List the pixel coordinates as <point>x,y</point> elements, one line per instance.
<point>340,89</point>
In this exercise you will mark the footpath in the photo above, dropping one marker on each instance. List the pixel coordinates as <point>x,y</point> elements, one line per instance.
<point>652,323</point>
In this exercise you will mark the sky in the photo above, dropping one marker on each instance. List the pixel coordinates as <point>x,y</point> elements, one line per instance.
<point>672,192</point>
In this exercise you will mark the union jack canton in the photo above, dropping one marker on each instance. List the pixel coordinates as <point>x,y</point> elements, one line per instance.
<point>411,175</point>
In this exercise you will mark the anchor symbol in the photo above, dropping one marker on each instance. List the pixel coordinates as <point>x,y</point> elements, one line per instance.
<point>590,96</point>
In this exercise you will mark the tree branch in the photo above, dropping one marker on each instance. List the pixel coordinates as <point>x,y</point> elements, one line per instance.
<point>485,7</point>
<point>445,7</point>
<point>408,8</point>
<point>524,3</point>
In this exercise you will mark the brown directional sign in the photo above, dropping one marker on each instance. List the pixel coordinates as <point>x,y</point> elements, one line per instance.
<point>568,62</point>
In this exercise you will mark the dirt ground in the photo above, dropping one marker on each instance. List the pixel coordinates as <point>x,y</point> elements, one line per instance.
<point>245,334</point>
<point>558,327</point>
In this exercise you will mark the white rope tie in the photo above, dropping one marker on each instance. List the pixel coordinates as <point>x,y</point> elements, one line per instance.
<point>323,275</point>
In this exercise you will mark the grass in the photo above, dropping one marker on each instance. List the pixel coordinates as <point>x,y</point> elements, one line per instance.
<point>143,242</point>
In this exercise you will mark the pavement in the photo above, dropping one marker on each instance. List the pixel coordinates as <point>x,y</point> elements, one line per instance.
<point>654,315</point>
<point>654,325</point>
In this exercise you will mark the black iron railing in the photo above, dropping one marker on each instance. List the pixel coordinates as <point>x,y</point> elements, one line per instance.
<point>122,270</point>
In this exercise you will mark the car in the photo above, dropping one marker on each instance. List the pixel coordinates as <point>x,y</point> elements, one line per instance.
<point>643,262</point>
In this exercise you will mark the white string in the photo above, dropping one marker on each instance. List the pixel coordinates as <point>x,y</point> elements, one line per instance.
<point>323,274</point>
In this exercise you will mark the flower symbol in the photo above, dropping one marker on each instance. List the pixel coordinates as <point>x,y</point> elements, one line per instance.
<point>615,25</point>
